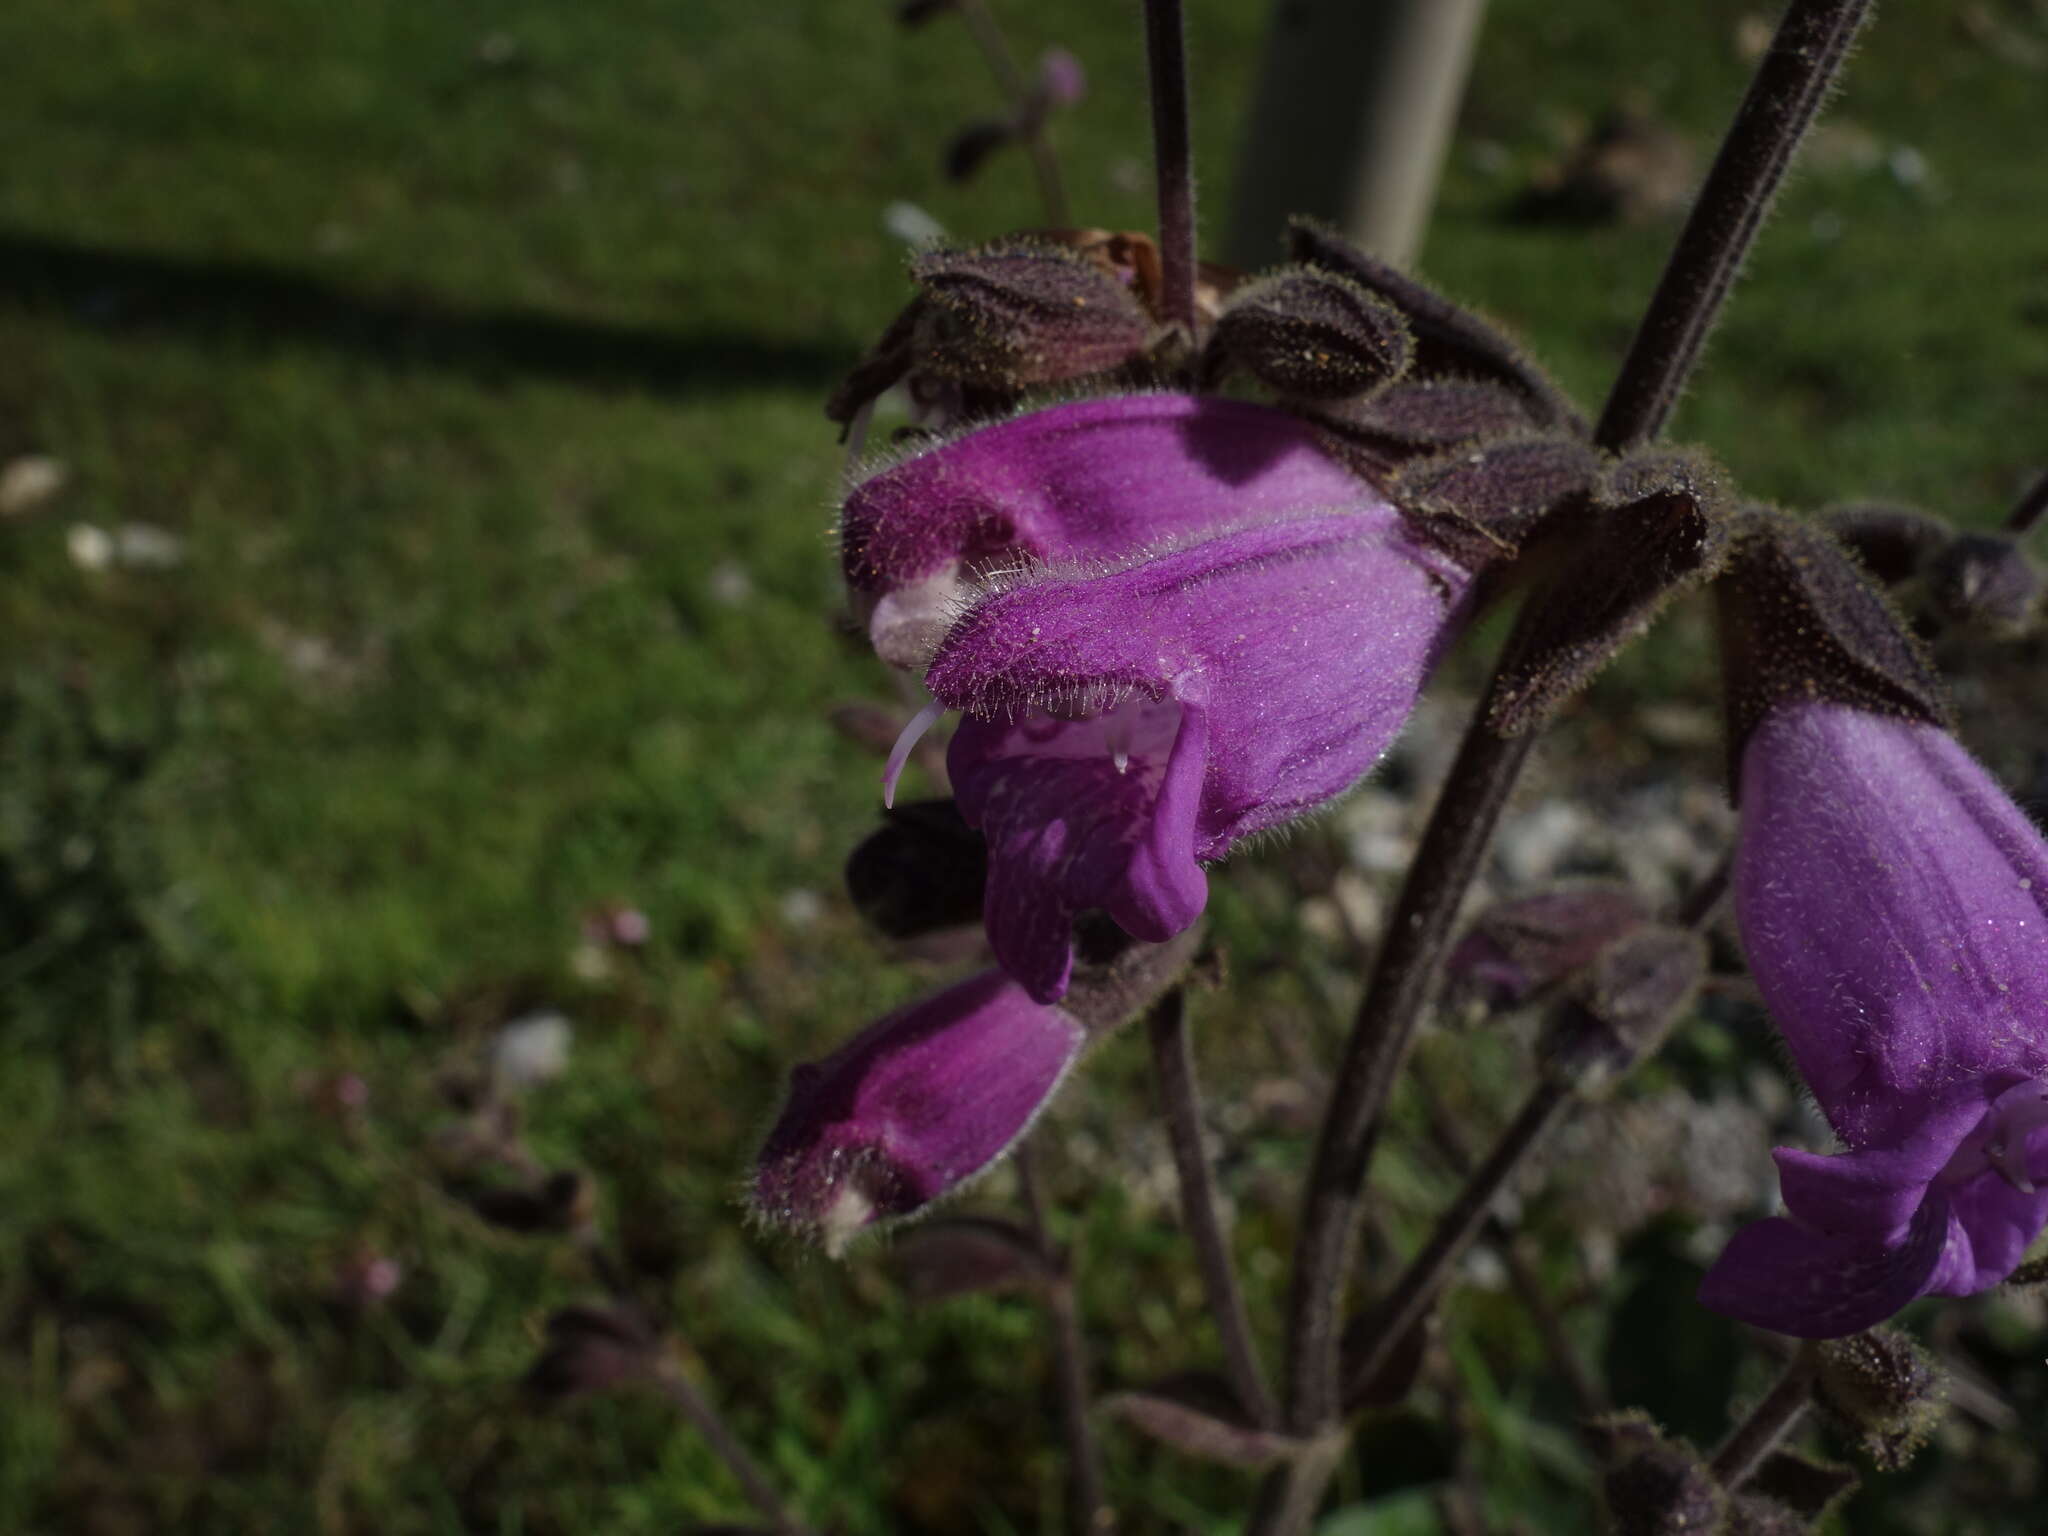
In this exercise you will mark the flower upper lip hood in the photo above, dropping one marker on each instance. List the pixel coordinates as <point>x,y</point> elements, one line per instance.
<point>1894,905</point>
<point>1127,724</point>
<point>1090,480</point>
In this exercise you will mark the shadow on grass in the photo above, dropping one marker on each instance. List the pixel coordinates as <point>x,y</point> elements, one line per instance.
<point>250,303</point>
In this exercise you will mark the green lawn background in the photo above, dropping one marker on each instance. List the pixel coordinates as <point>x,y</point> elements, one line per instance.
<point>475,355</point>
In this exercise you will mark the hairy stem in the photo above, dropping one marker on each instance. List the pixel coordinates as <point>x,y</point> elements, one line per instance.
<point>1785,96</point>
<point>2028,509</point>
<point>701,1414</point>
<point>1587,1395</point>
<point>1045,164</point>
<point>1404,977</point>
<point>1700,903</point>
<point>1589,1399</point>
<point>1173,159</point>
<point>1782,101</point>
<point>704,1418</point>
<point>1758,1435</point>
<point>1173,1069</point>
<point>1380,1333</point>
<point>1087,1510</point>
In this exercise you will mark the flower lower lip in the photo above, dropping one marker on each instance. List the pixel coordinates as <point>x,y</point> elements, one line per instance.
<point>2001,1142</point>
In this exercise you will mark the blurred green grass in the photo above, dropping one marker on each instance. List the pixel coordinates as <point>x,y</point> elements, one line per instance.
<point>475,354</point>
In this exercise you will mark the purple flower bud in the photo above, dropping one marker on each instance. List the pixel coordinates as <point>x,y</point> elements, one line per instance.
<point>1312,335</point>
<point>1061,80</point>
<point>1894,904</point>
<point>1518,946</point>
<point>1097,480</point>
<point>367,1278</point>
<point>912,1108</point>
<point>1020,313</point>
<point>1129,725</point>
<point>1664,1489</point>
<point>1884,1391</point>
<point>595,1349</point>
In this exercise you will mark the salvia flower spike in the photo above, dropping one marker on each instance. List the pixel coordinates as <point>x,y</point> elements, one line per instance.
<point>1894,905</point>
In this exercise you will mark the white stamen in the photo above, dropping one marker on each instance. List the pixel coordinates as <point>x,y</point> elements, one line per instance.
<point>850,1211</point>
<point>899,754</point>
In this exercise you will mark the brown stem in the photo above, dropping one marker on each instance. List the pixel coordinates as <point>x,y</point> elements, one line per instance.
<point>704,1418</point>
<point>1172,159</point>
<point>1404,977</point>
<point>1087,1510</point>
<point>1787,92</point>
<point>1382,1332</point>
<point>1785,96</point>
<point>701,1414</point>
<point>1588,1397</point>
<point>1701,901</point>
<point>1173,1068</point>
<point>2028,509</point>
<point>1045,164</point>
<point>1758,1434</point>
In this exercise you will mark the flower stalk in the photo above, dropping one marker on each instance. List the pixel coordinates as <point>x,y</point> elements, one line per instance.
<point>1166,57</point>
<point>705,1419</point>
<point>1173,1070</point>
<point>1045,164</point>
<point>1421,1283</point>
<point>1786,95</point>
<point>1528,1284</point>
<point>1087,1509</point>
<point>1405,976</point>
<point>1769,1421</point>
<point>2028,509</point>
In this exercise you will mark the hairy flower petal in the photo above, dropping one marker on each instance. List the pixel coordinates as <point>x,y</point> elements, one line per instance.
<point>1894,905</point>
<point>1255,674</point>
<point>1069,829</point>
<point>1094,480</point>
<point>912,1107</point>
<point>1991,1229</point>
<point>1780,1275</point>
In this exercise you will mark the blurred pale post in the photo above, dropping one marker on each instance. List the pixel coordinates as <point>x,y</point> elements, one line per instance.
<point>1354,113</point>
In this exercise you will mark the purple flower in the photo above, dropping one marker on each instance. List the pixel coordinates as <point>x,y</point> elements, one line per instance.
<point>1091,481</point>
<point>1129,723</point>
<point>912,1107</point>
<point>1061,80</point>
<point>1894,904</point>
